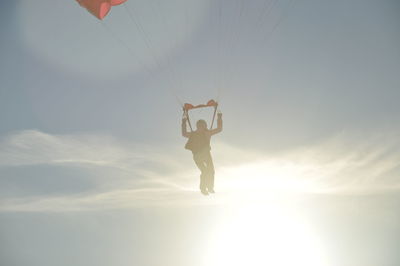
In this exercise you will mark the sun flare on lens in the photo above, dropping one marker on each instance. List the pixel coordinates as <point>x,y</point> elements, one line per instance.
<point>264,235</point>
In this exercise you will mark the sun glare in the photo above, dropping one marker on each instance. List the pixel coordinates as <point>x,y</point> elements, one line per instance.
<point>264,235</point>
<point>262,226</point>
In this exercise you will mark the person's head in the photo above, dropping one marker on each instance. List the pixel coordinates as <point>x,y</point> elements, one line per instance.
<point>201,125</point>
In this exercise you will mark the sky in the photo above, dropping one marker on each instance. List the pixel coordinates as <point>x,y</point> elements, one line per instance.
<point>93,169</point>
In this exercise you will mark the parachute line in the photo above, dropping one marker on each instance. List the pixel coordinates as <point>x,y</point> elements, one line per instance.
<point>134,55</point>
<point>149,45</point>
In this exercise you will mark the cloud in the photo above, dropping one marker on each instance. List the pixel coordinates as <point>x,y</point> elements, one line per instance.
<point>354,164</point>
<point>122,174</point>
<point>33,147</point>
<point>115,169</point>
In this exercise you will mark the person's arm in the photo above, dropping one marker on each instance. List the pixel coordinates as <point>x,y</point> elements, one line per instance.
<point>184,130</point>
<point>219,125</point>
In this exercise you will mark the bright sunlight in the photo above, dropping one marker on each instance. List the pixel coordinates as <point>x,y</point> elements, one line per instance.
<point>269,234</point>
<point>263,225</point>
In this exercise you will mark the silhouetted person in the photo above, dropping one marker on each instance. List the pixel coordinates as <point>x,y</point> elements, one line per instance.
<point>199,144</point>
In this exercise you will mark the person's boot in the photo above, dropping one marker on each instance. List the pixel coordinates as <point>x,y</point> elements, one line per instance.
<point>211,190</point>
<point>204,192</point>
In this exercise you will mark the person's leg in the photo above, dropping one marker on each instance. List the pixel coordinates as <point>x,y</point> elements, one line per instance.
<point>209,172</point>
<point>202,166</point>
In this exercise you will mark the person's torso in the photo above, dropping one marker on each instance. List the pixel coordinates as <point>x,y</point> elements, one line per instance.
<point>199,141</point>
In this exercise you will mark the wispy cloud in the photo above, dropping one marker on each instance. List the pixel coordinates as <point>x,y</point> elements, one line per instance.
<point>132,169</point>
<point>34,147</point>
<point>344,164</point>
<point>139,175</point>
